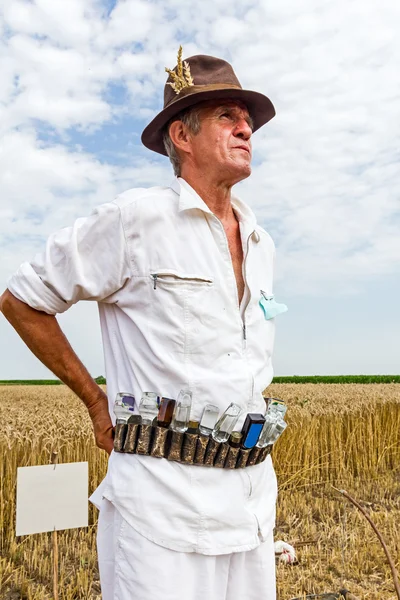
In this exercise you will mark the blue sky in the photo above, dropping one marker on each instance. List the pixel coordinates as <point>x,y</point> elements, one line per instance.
<point>81,79</point>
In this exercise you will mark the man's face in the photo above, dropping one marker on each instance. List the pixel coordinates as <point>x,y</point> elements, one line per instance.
<point>223,145</point>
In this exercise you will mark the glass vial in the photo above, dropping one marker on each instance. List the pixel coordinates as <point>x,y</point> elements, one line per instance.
<point>276,412</point>
<point>270,419</point>
<point>279,428</point>
<point>208,419</point>
<point>166,411</point>
<point>148,407</point>
<point>225,424</point>
<point>181,416</point>
<point>277,405</point>
<point>124,406</point>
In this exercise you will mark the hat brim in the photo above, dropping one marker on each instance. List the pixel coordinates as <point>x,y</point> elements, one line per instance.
<point>259,106</point>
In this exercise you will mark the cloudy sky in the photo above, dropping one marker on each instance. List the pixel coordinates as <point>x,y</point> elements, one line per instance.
<point>80,79</point>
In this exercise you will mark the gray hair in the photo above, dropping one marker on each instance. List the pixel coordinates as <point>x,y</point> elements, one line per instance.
<point>189,117</point>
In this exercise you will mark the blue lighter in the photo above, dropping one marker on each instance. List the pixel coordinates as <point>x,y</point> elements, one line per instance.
<point>251,429</point>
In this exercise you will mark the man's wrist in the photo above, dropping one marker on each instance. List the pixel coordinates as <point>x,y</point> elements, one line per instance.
<point>98,407</point>
<point>99,413</point>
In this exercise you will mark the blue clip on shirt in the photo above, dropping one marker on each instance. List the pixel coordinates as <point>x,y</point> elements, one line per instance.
<point>270,307</point>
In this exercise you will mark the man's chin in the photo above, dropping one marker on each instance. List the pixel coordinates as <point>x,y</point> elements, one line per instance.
<point>237,174</point>
<point>244,172</point>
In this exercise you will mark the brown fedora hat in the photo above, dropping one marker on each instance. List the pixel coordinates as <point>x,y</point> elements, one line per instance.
<point>195,80</point>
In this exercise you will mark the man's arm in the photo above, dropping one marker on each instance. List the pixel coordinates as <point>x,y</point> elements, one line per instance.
<point>44,337</point>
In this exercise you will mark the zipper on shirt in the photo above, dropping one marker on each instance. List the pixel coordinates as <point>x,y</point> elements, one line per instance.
<point>243,321</point>
<point>245,281</point>
<point>154,276</point>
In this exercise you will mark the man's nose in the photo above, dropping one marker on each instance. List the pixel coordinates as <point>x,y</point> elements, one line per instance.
<point>243,129</point>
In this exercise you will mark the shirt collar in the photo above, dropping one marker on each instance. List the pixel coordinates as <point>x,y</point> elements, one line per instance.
<point>188,199</point>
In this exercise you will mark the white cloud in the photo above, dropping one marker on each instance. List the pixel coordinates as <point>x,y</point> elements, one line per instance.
<point>326,174</point>
<point>227,31</point>
<point>65,22</point>
<point>60,86</point>
<point>326,180</point>
<point>130,23</point>
<point>330,174</point>
<point>51,187</point>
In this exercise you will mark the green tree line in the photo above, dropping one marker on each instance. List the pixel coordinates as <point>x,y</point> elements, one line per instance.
<point>284,379</point>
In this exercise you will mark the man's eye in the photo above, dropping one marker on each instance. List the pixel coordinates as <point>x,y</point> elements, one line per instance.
<point>226,115</point>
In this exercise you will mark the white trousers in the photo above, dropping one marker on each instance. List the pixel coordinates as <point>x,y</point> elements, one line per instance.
<point>134,568</point>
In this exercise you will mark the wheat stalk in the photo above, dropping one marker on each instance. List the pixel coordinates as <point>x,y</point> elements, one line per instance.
<point>182,78</point>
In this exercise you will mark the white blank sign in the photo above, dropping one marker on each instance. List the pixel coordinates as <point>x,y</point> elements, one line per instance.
<point>52,497</point>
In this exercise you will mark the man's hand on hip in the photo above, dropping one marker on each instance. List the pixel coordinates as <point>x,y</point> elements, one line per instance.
<point>102,426</point>
<point>42,334</point>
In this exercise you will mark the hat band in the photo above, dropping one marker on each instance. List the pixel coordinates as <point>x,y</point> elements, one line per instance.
<point>194,89</point>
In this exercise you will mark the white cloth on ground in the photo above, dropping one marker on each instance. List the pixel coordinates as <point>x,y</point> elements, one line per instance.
<point>134,568</point>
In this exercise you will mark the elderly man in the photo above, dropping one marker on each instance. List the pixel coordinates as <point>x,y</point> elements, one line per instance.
<point>179,274</point>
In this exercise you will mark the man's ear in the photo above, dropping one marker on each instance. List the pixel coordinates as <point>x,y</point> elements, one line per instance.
<point>180,136</point>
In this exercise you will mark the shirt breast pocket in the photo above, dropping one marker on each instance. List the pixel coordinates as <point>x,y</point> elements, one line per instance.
<point>181,305</point>
<point>170,277</point>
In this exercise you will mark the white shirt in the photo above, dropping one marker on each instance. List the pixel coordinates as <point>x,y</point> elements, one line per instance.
<point>182,329</point>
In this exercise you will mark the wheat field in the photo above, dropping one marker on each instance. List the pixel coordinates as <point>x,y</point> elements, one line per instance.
<point>341,435</point>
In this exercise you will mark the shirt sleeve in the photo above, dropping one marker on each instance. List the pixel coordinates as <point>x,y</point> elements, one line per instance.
<point>88,261</point>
